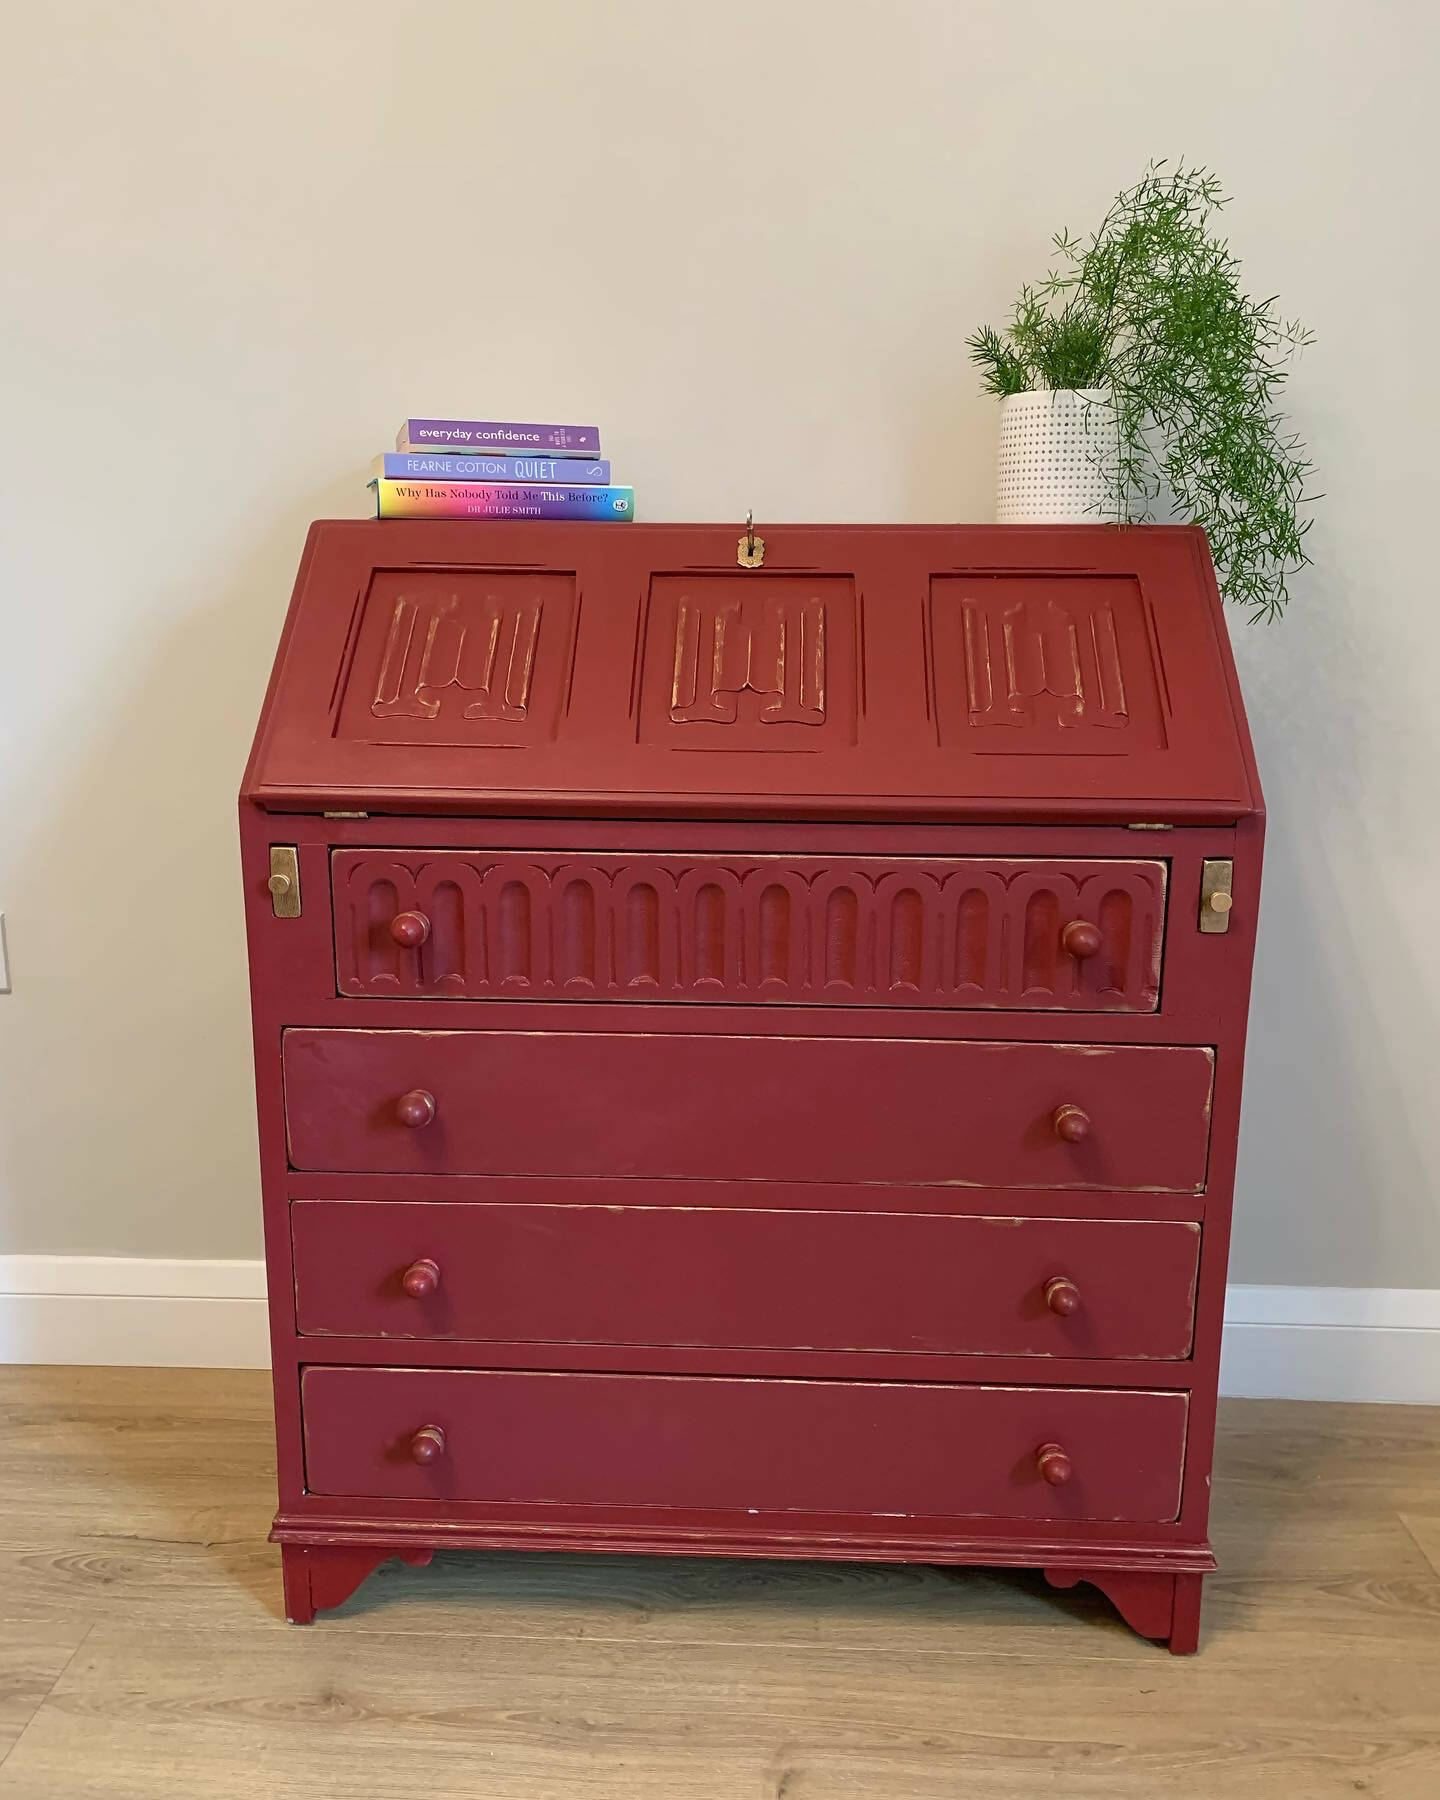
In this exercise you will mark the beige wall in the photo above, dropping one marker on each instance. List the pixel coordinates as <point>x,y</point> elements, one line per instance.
<point>244,241</point>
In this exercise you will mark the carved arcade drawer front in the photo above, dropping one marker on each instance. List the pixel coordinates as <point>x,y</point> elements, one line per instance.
<point>709,1444</point>
<point>701,1275</point>
<point>724,1108</point>
<point>1010,934</point>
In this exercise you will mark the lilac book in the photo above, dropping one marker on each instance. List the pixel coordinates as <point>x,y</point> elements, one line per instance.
<point>480,465</point>
<point>491,434</point>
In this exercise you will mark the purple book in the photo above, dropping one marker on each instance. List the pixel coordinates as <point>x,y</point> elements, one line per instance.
<point>491,434</point>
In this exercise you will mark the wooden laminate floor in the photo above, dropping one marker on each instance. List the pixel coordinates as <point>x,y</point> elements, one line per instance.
<point>142,1652</point>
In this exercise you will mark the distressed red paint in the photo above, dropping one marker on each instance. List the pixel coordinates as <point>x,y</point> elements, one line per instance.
<point>745,1015</point>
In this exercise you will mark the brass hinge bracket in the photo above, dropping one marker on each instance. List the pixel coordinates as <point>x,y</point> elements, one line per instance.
<point>1217,876</point>
<point>344,815</point>
<point>284,882</point>
<point>1149,827</point>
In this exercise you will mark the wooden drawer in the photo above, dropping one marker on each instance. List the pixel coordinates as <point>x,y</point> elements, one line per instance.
<point>707,1443</point>
<point>1014,933</point>
<point>705,1276</point>
<point>749,1108</point>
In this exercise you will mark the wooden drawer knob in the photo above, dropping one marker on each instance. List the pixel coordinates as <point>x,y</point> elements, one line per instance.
<point>1072,1124</point>
<point>1054,1465</point>
<point>417,1108</point>
<point>410,929</point>
<point>421,1279</point>
<point>428,1444</point>
<point>1062,1296</point>
<point>1081,939</point>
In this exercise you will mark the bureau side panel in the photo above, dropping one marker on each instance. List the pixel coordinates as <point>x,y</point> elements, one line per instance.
<point>1224,961</point>
<point>284,954</point>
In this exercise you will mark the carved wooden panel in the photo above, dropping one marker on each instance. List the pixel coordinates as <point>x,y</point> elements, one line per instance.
<point>1041,674</point>
<point>463,656</point>
<point>740,662</point>
<point>864,931</point>
<point>1064,663</point>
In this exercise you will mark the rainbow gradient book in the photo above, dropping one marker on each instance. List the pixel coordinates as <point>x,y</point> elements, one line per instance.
<point>464,435</point>
<point>478,465</point>
<point>500,500</point>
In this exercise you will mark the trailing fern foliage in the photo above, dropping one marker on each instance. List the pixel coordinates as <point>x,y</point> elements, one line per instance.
<point>1150,307</point>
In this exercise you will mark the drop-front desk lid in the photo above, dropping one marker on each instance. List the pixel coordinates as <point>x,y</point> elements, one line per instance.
<point>904,672</point>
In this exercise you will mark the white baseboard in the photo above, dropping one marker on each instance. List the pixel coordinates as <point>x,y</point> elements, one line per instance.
<point>133,1312</point>
<point>1296,1343</point>
<point>1377,1344</point>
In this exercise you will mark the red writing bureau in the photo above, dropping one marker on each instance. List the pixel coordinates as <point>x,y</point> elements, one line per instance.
<point>749,1044</point>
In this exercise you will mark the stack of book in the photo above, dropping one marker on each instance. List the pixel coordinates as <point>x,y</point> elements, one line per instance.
<point>490,469</point>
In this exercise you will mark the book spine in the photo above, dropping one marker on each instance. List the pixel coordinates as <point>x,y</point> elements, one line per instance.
<point>495,500</point>
<point>395,465</point>
<point>498,434</point>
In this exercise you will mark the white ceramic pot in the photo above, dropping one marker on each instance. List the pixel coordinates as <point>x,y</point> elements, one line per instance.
<point>1058,455</point>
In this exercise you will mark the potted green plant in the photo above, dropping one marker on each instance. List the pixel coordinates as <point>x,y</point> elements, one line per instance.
<point>1140,377</point>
